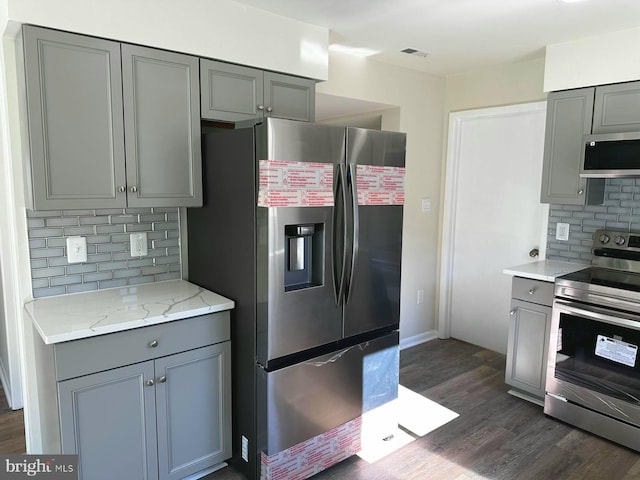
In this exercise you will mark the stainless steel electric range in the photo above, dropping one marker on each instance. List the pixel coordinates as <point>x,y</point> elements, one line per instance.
<point>593,374</point>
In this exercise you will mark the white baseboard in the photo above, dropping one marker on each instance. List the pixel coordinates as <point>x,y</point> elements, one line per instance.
<point>418,339</point>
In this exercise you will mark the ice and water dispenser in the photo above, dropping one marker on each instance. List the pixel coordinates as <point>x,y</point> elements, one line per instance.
<point>304,253</point>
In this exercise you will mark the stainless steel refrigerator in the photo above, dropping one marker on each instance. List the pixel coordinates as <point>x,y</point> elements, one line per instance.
<point>313,265</point>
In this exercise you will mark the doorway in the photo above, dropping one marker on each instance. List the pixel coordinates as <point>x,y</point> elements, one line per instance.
<point>493,217</point>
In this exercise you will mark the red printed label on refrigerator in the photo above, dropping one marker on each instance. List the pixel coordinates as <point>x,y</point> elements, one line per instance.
<point>310,184</point>
<point>380,185</point>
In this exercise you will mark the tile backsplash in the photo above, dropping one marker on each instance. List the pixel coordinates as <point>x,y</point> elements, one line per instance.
<point>621,211</point>
<point>109,262</point>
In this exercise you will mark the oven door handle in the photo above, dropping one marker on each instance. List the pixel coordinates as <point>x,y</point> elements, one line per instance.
<point>606,315</point>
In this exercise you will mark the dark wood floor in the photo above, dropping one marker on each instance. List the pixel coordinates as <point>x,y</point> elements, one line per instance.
<point>11,428</point>
<point>496,436</point>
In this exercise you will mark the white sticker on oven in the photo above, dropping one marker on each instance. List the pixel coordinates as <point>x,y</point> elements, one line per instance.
<point>616,350</point>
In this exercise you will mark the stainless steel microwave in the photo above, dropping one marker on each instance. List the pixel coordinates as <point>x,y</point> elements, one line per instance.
<point>610,155</point>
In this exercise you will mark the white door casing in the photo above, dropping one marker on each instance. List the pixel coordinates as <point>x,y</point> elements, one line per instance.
<point>492,217</point>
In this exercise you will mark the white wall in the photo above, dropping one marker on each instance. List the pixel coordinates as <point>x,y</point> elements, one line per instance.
<point>220,29</point>
<point>421,101</point>
<point>609,58</point>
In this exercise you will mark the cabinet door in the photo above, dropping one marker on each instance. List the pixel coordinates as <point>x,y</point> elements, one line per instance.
<point>528,347</point>
<point>74,104</point>
<point>193,398</point>
<point>289,97</point>
<point>108,418</point>
<point>230,93</point>
<point>617,108</point>
<point>162,127</point>
<point>568,119</point>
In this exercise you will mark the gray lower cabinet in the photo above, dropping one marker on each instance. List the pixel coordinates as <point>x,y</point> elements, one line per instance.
<point>529,338</point>
<point>110,125</point>
<point>111,415</point>
<point>569,115</point>
<point>234,93</point>
<point>617,108</point>
<point>145,404</point>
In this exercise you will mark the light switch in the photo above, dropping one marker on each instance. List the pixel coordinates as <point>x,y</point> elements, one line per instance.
<point>76,249</point>
<point>562,231</point>
<point>138,244</point>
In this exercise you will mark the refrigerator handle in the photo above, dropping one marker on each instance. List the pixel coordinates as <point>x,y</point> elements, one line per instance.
<point>339,207</point>
<point>353,188</point>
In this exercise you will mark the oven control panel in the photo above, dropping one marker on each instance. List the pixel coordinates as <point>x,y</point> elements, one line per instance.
<point>614,239</point>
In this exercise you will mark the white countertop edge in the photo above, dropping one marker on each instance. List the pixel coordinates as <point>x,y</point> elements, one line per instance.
<point>42,319</point>
<point>121,327</point>
<point>544,270</point>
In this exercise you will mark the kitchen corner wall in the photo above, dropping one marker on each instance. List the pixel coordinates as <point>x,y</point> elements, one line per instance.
<point>109,262</point>
<point>620,211</point>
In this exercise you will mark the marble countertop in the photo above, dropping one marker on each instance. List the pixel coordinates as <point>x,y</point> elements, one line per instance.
<point>81,315</point>
<point>546,270</point>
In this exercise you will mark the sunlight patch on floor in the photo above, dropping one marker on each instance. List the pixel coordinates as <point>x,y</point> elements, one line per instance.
<point>420,415</point>
<point>413,412</point>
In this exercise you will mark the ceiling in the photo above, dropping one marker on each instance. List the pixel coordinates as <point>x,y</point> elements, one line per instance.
<point>458,35</point>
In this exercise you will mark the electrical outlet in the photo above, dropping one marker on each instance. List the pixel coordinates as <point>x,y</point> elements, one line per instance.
<point>245,448</point>
<point>426,205</point>
<point>562,231</point>
<point>76,249</point>
<point>138,244</point>
<point>420,298</point>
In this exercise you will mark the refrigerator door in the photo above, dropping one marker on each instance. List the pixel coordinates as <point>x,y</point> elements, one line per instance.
<point>301,401</point>
<point>373,287</point>
<point>298,306</point>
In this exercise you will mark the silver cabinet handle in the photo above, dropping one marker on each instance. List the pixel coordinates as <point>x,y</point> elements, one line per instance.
<point>162,379</point>
<point>532,291</point>
<point>133,189</point>
<point>122,189</point>
<point>150,383</point>
<point>269,109</point>
<point>260,107</point>
<point>580,192</point>
<point>513,312</point>
<point>153,343</point>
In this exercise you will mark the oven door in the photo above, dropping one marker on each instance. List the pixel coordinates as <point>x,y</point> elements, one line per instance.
<point>593,359</point>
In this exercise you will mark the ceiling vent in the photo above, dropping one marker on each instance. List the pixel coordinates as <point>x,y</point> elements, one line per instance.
<point>415,53</point>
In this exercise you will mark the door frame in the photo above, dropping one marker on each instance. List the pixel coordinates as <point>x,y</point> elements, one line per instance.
<point>452,171</point>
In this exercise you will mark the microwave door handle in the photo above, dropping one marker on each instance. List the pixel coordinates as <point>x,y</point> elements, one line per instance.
<point>339,192</point>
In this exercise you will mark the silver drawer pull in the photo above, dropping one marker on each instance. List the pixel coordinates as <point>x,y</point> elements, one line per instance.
<point>532,291</point>
<point>162,379</point>
<point>513,312</point>
<point>153,343</point>
<point>150,383</point>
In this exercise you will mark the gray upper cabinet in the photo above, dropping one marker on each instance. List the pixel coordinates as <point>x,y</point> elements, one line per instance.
<point>617,108</point>
<point>232,93</point>
<point>162,128</point>
<point>82,94</point>
<point>74,106</point>
<point>289,97</point>
<point>568,119</point>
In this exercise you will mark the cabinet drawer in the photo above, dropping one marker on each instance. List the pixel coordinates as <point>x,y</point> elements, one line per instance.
<point>535,291</point>
<point>94,354</point>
